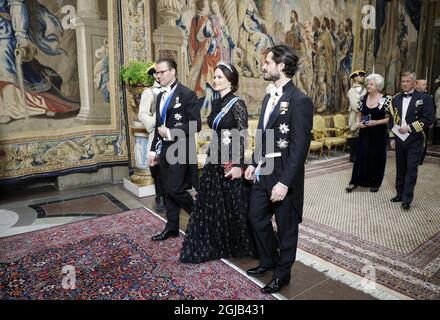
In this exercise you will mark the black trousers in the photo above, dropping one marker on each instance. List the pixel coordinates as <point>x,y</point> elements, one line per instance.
<point>176,196</point>
<point>158,184</point>
<point>408,155</point>
<point>279,254</point>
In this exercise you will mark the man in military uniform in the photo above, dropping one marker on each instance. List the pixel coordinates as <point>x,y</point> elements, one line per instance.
<point>356,91</point>
<point>411,111</point>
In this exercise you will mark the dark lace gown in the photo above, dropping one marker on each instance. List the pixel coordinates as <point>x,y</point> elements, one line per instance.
<point>369,167</point>
<point>218,227</point>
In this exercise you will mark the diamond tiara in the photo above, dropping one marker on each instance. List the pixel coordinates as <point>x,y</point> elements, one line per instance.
<point>225,64</point>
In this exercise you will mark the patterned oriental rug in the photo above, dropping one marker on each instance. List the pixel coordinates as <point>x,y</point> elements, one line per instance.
<point>112,257</point>
<point>368,235</point>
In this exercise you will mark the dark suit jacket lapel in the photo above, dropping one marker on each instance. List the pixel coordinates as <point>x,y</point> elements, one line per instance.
<point>173,100</point>
<point>159,97</point>
<point>263,111</point>
<point>275,113</point>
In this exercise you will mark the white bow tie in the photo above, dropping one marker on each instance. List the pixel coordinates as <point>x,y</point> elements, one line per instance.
<point>274,92</point>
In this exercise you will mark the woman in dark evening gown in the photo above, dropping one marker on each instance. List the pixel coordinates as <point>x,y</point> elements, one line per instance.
<point>369,167</point>
<point>218,227</point>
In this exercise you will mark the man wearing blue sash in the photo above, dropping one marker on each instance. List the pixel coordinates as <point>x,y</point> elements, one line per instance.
<point>286,123</point>
<point>176,108</point>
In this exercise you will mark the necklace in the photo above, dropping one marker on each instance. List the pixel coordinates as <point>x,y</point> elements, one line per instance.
<point>373,102</point>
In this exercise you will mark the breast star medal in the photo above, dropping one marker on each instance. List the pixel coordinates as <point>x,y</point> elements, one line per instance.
<point>178,116</point>
<point>226,137</point>
<point>284,128</point>
<point>282,143</point>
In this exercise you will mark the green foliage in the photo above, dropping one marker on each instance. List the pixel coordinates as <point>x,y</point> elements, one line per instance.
<point>136,73</point>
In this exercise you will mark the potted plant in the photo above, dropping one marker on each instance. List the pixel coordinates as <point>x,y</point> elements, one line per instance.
<point>137,75</point>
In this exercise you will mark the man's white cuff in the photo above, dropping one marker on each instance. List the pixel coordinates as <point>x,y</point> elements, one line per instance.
<point>283,185</point>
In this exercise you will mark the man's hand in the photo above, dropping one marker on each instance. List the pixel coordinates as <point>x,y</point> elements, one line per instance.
<point>249,173</point>
<point>393,144</point>
<point>404,129</point>
<point>278,192</point>
<point>152,160</point>
<point>163,132</point>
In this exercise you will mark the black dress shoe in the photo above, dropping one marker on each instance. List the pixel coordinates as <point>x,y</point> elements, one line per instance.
<point>406,205</point>
<point>374,189</point>
<point>396,199</point>
<point>350,188</point>
<point>165,235</point>
<point>276,285</point>
<point>258,271</point>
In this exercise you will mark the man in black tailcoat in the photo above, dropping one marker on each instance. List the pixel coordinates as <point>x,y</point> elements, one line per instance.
<point>278,167</point>
<point>173,146</point>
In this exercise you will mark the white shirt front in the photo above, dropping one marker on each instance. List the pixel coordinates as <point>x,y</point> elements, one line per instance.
<point>405,105</point>
<point>275,95</point>
<point>166,92</point>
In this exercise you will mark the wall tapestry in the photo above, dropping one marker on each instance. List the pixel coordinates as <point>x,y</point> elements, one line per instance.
<point>322,32</point>
<point>60,110</point>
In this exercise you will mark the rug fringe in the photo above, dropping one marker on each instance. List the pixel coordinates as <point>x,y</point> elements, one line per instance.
<point>354,281</point>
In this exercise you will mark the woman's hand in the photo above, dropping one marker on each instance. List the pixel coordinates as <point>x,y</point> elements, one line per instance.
<point>370,123</point>
<point>234,173</point>
<point>361,125</point>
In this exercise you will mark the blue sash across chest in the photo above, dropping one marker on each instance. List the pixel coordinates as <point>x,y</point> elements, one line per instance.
<point>163,117</point>
<point>222,113</point>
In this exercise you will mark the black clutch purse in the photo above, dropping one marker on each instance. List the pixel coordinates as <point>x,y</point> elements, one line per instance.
<point>366,118</point>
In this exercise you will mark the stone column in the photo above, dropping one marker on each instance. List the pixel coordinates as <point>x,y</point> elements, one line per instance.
<point>88,9</point>
<point>168,39</point>
<point>91,34</point>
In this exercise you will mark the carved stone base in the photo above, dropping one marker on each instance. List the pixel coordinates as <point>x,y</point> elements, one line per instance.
<point>142,177</point>
<point>140,192</point>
